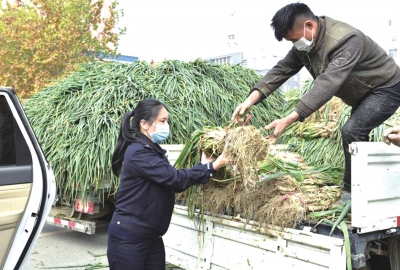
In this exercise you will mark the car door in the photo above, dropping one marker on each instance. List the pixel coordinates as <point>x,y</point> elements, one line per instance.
<point>27,185</point>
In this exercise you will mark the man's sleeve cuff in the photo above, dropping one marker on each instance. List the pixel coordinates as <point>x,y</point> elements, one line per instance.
<point>264,93</point>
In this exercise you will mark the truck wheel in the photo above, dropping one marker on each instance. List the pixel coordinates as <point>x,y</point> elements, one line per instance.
<point>105,211</point>
<point>61,211</point>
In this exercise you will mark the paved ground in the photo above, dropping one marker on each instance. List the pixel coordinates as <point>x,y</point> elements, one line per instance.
<point>61,249</point>
<point>58,248</point>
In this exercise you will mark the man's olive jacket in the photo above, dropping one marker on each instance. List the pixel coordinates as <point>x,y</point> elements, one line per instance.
<point>343,62</point>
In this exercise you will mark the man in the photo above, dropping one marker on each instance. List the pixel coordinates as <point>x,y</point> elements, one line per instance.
<point>344,63</point>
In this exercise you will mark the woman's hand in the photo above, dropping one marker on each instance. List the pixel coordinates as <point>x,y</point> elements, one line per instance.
<point>220,162</point>
<point>206,159</point>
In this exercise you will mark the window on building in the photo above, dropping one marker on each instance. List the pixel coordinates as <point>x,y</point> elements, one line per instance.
<point>394,38</point>
<point>393,52</point>
<point>390,22</point>
<point>222,60</point>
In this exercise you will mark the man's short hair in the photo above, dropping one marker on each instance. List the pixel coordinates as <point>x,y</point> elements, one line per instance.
<point>286,18</point>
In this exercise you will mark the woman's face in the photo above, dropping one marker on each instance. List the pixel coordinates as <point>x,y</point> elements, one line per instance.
<point>161,119</point>
<point>150,127</point>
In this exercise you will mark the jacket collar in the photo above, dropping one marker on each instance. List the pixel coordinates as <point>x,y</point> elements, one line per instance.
<point>320,35</point>
<point>149,143</point>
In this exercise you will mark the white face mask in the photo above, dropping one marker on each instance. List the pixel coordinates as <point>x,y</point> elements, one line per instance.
<point>303,44</point>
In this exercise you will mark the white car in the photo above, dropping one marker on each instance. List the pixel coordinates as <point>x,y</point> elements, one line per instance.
<point>27,184</point>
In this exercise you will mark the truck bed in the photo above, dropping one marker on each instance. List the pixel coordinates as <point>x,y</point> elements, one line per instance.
<point>224,242</point>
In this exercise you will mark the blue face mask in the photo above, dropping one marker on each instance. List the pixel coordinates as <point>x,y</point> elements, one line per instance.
<point>161,134</point>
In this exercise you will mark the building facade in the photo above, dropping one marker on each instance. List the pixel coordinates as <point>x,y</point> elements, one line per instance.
<point>232,59</point>
<point>262,64</point>
<point>393,30</point>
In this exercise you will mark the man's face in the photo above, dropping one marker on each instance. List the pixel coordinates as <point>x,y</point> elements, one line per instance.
<point>307,31</point>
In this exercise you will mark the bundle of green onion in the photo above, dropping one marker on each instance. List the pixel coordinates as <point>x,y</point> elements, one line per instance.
<point>213,140</point>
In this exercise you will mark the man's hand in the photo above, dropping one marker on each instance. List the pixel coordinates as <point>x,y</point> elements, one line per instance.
<point>240,111</point>
<point>392,135</point>
<point>245,107</point>
<point>280,125</point>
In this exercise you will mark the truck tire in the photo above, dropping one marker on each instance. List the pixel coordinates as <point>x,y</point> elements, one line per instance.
<point>104,212</point>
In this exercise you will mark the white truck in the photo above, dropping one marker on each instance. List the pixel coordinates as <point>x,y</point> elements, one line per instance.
<point>225,242</point>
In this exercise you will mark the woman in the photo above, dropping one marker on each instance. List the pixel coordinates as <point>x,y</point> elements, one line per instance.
<point>146,196</point>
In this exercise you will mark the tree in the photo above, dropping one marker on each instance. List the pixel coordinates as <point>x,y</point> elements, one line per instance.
<point>41,40</point>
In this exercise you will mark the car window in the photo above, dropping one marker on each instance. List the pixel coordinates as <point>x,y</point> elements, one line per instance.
<point>7,141</point>
<point>11,139</point>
